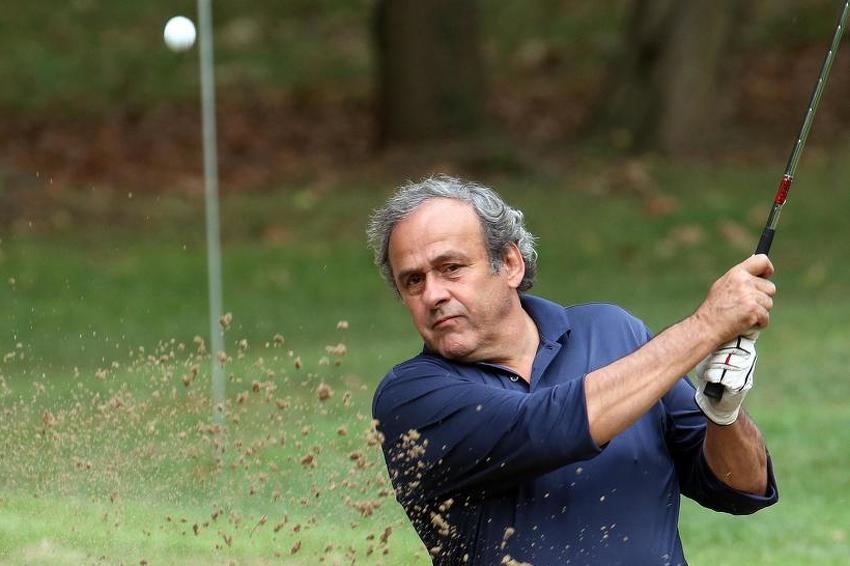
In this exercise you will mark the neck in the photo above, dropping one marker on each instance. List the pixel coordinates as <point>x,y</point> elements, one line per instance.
<point>521,340</point>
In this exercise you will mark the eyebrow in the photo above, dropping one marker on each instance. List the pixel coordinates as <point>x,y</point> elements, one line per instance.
<point>442,258</point>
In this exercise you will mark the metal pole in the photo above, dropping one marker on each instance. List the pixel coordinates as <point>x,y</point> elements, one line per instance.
<point>211,193</point>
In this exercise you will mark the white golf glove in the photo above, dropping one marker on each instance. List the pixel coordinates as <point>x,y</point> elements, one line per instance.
<point>732,365</point>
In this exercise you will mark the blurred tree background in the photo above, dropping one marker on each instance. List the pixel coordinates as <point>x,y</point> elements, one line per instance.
<point>642,138</point>
<point>90,95</point>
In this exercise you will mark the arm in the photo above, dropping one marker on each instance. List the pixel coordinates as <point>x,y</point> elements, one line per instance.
<point>619,393</point>
<point>733,448</point>
<point>706,454</point>
<point>470,434</point>
<point>736,455</point>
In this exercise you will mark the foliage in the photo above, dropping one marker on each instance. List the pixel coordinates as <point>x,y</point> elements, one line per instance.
<point>90,56</point>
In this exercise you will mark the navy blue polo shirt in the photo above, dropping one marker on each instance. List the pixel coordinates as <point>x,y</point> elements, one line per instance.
<point>487,465</point>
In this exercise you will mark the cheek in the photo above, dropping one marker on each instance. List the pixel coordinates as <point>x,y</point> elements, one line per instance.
<point>418,313</point>
<point>491,304</point>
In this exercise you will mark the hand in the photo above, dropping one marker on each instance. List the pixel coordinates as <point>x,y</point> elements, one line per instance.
<point>739,301</point>
<point>732,365</point>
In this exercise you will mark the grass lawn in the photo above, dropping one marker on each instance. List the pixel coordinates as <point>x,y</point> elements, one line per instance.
<point>109,450</point>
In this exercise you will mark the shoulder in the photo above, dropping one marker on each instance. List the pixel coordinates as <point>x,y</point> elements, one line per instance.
<point>423,365</point>
<point>414,377</point>
<point>601,313</point>
<point>608,319</point>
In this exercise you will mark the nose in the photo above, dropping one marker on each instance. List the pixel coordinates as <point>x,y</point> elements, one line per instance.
<point>435,293</point>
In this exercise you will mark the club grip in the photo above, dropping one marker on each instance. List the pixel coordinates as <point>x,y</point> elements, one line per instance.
<point>713,391</point>
<point>765,241</point>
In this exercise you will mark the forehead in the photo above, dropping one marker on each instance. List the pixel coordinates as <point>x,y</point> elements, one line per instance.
<point>437,227</point>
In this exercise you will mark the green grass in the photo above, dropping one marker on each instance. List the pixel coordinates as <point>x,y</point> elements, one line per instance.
<point>107,455</point>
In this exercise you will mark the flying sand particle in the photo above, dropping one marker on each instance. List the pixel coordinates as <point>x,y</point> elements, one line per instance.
<point>324,392</point>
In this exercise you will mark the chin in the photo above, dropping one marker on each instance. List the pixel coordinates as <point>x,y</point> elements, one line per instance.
<point>455,351</point>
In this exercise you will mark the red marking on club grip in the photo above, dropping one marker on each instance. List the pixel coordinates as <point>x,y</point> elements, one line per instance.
<point>782,192</point>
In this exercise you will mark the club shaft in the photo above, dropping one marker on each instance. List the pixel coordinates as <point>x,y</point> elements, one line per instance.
<point>715,390</point>
<point>794,159</point>
<point>806,127</point>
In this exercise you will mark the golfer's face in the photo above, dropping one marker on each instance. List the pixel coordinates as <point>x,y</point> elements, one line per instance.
<point>443,274</point>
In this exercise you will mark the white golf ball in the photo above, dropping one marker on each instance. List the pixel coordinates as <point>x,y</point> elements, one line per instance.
<point>179,33</point>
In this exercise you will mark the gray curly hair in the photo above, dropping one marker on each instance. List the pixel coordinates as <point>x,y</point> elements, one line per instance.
<point>501,225</point>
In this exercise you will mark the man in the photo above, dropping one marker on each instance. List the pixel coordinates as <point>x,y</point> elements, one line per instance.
<point>526,432</point>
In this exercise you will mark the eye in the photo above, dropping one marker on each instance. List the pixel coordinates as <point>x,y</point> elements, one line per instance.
<point>413,281</point>
<point>451,268</point>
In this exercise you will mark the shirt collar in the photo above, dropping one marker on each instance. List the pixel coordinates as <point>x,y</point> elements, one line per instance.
<point>551,318</point>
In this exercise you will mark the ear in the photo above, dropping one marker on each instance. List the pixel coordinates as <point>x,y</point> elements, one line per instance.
<point>513,266</point>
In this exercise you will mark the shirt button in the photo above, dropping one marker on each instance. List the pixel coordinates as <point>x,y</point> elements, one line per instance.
<point>514,378</point>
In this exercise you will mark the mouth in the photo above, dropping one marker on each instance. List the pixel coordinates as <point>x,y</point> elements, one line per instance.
<point>441,321</point>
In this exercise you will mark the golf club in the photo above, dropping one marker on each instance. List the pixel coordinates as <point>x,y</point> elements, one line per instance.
<point>715,390</point>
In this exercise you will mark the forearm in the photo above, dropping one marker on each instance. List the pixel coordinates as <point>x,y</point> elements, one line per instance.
<point>736,455</point>
<point>619,393</point>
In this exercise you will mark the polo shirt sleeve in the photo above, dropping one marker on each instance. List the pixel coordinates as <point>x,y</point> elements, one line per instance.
<point>686,426</point>
<point>444,431</point>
